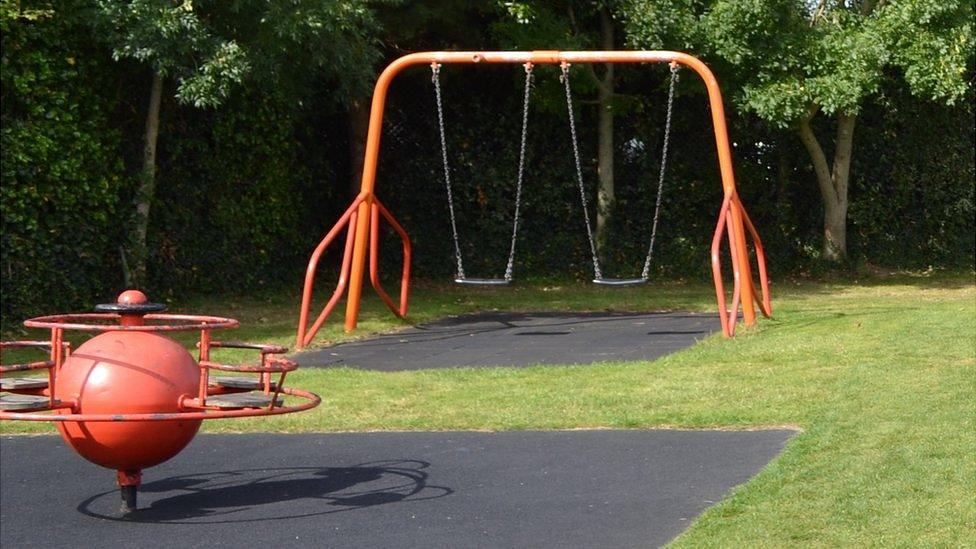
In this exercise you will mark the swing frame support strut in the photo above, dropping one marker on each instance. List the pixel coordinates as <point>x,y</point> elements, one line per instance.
<point>360,217</point>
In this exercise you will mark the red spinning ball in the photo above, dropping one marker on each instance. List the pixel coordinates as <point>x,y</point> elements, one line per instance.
<point>128,372</point>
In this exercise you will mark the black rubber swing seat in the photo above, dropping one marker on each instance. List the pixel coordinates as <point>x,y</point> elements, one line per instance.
<point>620,281</point>
<point>483,281</point>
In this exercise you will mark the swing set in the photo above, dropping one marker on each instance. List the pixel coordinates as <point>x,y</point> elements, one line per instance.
<point>361,220</point>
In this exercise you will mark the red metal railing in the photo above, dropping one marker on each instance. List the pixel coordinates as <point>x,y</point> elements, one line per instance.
<point>374,259</point>
<point>58,350</point>
<point>190,408</point>
<point>765,304</point>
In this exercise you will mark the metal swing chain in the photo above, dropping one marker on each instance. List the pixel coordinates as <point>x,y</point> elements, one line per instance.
<point>521,170</point>
<point>664,162</point>
<point>564,66</point>
<point>435,69</point>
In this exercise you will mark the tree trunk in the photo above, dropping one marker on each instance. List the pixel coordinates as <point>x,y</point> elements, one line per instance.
<point>146,189</point>
<point>358,119</point>
<point>833,181</point>
<point>605,197</point>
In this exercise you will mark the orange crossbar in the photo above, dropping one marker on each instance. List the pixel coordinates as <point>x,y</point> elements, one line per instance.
<point>732,215</point>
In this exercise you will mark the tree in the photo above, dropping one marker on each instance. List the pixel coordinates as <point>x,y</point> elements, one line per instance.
<point>60,162</point>
<point>574,24</point>
<point>797,62</point>
<point>407,26</point>
<point>210,48</point>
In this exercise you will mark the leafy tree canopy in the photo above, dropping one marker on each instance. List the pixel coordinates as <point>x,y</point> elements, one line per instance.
<point>793,55</point>
<point>209,47</point>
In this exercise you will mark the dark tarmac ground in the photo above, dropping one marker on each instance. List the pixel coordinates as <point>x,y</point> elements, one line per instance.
<point>521,339</point>
<point>617,488</point>
<point>602,488</point>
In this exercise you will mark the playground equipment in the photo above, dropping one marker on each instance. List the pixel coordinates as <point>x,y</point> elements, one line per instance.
<point>598,277</point>
<point>361,218</point>
<point>460,277</point>
<point>130,398</point>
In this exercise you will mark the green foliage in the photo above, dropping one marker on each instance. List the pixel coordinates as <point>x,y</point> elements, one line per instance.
<point>932,43</point>
<point>237,206</point>
<point>174,40</point>
<point>247,189</point>
<point>663,24</point>
<point>787,60</point>
<point>538,26</point>
<point>61,170</point>
<point>786,63</point>
<point>297,40</point>
<point>211,47</point>
<point>788,55</point>
<point>913,194</point>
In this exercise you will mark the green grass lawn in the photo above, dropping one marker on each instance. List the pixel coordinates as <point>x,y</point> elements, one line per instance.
<point>880,376</point>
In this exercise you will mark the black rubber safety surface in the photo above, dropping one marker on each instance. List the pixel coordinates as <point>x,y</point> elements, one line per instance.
<point>622,488</point>
<point>521,339</point>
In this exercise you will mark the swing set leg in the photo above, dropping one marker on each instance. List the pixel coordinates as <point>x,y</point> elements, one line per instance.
<point>349,280</point>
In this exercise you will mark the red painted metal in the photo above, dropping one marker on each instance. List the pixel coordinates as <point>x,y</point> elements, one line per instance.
<point>765,304</point>
<point>130,398</point>
<point>733,218</point>
<point>267,352</point>
<point>374,276</point>
<point>123,373</point>
<point>305,334</point>
<point>728,314</point>
<point>83,322</point>
<point>309,400</point>
<point>728,328</point>
<point>348,220</point>
<point>51,365</point>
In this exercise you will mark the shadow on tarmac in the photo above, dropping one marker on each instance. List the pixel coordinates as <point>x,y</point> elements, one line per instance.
<point>217,496</point>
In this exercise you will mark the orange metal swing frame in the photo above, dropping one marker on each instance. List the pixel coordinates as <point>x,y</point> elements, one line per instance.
<point>361,219</point>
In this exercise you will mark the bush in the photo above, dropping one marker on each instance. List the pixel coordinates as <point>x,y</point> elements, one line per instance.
<point>237,205</point>
<point>61,169</point>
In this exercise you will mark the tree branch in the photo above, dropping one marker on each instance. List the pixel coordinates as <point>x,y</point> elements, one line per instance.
<point>820,165</point>
<point>588,67</point>
<point>572,18</point>
<point>870,6</point>
<point>606,42</point>
<point>818,12</point>
<point>812,111</point>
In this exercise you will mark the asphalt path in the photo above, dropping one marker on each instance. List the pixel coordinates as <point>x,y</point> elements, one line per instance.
<point>521,339</point>
<point>620,488</point>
